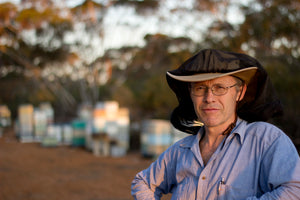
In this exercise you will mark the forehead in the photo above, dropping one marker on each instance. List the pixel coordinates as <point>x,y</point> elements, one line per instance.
<point>221,80</point>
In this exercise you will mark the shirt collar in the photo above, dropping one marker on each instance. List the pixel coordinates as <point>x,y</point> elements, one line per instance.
<point>239,130</point>
<point>192,140</point>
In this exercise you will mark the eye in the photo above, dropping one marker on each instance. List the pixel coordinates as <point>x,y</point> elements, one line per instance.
<point>200,87</point>
<point>218,87</point>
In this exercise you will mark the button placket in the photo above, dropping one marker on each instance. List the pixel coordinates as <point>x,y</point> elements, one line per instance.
<point>202,183</point>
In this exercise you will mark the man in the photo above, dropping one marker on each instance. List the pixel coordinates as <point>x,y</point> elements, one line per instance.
<point>224,100</point>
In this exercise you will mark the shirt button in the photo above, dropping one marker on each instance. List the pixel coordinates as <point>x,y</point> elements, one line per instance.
<point>203,177</point>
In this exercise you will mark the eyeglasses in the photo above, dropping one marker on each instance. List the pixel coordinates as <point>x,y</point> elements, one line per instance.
<point>217,89</point>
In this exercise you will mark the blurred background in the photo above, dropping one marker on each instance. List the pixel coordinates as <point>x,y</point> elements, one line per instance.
<point>91,73</point>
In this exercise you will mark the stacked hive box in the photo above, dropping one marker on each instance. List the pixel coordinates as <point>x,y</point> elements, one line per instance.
<point>5,118</point>
<point>155,137</point>
<point>82,127</point>
<point>67,134</point>
<point>79,133</point>
<point>112,123</point>
<point>25,123</point>
<point>40,124</point>
<point>122,135</point>
<point>53,137</point>
<point>45,130</point>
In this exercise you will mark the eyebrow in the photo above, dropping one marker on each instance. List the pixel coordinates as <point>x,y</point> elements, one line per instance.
<point>203,84</point>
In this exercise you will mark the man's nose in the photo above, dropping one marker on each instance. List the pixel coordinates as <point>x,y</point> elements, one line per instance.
<point>208,95</point>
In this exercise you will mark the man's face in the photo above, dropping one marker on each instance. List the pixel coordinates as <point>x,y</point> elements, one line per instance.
<point>213,110</point>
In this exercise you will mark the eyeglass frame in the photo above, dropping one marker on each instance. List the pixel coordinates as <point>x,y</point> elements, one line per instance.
<point>211,89</point>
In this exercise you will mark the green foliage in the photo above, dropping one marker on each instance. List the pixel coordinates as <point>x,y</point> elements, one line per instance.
<point>145,77</point>
<point>33,18</point>
<point>5,10</point>
<point>156,99</point>
<point>285,77</point>
<point>275,20</point>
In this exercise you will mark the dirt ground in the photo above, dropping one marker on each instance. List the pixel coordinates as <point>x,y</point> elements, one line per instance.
<point>29,171</point>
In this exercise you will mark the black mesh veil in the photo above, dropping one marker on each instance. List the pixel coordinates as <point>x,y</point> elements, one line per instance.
<point>260,102</point>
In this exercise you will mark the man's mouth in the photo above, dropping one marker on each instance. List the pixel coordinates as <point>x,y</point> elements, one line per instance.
<point>210,109</point>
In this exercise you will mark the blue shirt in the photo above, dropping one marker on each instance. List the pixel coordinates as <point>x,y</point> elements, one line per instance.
<point>256,161</point>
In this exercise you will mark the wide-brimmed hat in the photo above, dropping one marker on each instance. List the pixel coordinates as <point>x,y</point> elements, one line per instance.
<point>260,102</point>
<point>245,74</point>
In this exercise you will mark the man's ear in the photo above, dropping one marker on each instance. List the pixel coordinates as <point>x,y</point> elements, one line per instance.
<point>241,92</point>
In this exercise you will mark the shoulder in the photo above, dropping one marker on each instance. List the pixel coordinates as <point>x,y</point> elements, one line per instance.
<point>180,145</point>
<point>263,130</point>
<point>185,142</point>
<point>171,155</point>
<point>264,135</point>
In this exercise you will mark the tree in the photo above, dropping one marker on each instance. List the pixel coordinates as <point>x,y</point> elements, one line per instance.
<point>25,56</point>
<point>270,32</point>
<point>145,75</point>
<point>34,49</point>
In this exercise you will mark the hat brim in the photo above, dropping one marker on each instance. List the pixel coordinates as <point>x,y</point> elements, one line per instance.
<point>245,74</point>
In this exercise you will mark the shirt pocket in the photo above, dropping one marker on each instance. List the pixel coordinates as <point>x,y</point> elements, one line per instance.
<point>228,192</point>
